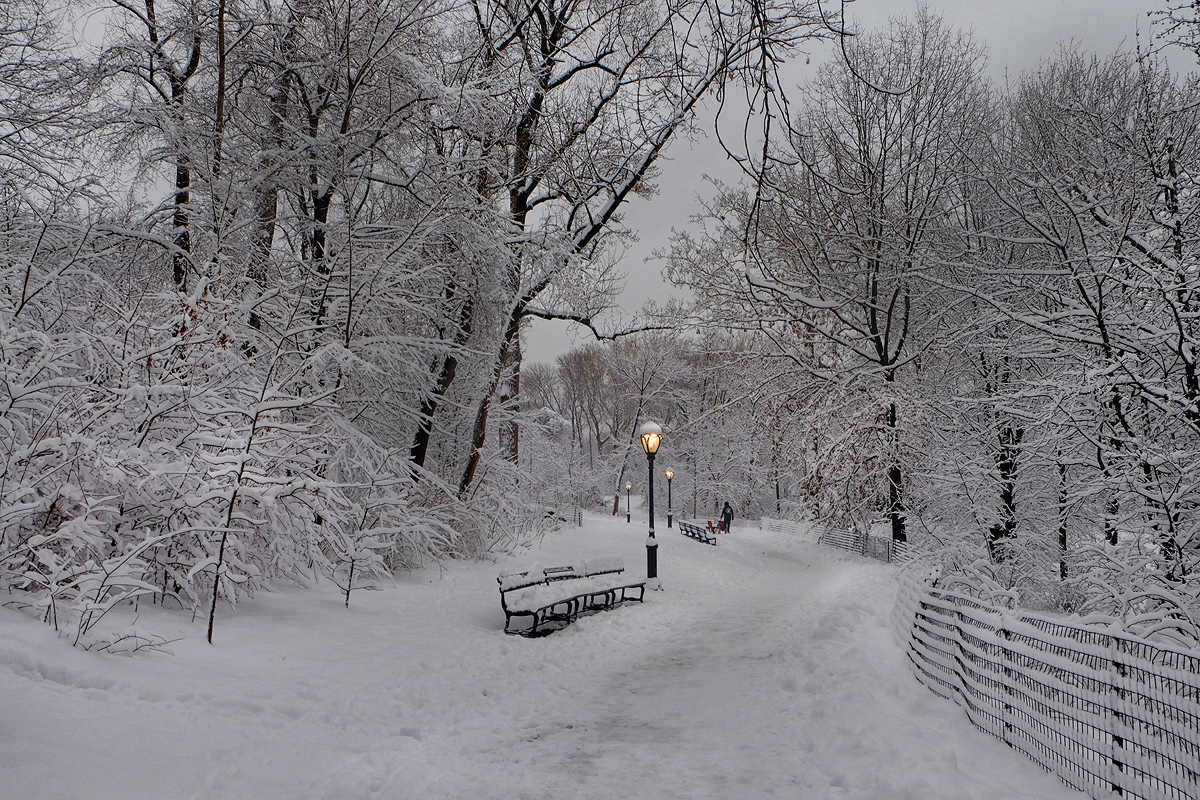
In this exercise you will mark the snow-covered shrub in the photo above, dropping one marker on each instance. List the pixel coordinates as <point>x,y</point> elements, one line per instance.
<point>497,517</point>
<point>375,523</point>
<point>157,443</point>
<point>1126,583</point>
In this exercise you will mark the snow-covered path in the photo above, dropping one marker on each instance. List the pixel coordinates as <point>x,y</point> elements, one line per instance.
<point>767,668</point>
<point>772,672</point>
<point>716,702</point>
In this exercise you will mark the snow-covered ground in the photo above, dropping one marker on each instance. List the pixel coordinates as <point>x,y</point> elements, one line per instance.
<point>766,668</point>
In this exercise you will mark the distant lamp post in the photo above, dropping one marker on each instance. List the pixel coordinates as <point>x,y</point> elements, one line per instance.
<point>670,507</point>
<point>628,507</point>
<point>651,439</point>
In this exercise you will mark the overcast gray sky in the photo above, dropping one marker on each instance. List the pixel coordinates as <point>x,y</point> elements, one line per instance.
<point>1017,34</point>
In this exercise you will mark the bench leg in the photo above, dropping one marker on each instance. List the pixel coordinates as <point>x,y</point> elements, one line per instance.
<point>600,601</point>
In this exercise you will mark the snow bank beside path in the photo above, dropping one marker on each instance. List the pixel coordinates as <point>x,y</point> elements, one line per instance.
<point>765,669</point>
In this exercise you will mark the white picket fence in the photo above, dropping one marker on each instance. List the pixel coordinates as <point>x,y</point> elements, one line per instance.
<point>1110,714</point>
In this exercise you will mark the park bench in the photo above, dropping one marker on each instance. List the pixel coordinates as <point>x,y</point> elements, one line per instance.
<point>696,532</point>
<point>551,598</point>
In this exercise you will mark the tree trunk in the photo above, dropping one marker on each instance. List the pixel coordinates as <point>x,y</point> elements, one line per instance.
<point>1062,520</point>
<point>178,78</point>
<point>895,480</point>
<point>181,257</point>
<point>1006,465</point>
<point>511,398</point>
<point>479,432</point>
<point>267,204</point>
<point>449,370</point>
<point>429,406</point>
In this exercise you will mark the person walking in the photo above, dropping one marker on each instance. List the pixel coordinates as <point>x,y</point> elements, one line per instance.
<point>727,517</point>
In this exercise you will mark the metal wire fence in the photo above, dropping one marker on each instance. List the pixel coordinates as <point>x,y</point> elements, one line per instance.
<point>879,547</point>
<point>1110,714</point>
<point>803,530</point>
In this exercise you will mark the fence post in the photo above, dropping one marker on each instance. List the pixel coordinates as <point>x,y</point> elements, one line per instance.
<point>1116,695</point>
<point>1006,716</point>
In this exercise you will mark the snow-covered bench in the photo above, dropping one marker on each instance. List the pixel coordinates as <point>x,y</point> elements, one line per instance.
<point>696,532</point>
<point>553,597</point>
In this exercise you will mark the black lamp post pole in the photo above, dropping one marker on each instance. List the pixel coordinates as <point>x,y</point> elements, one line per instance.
<point>651,543</point>
<point>628,505</point>
<point>670,507</point>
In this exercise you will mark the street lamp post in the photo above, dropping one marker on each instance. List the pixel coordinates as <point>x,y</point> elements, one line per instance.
<point>651,439</point>
<point>628,507</point>
<point>670,507</point>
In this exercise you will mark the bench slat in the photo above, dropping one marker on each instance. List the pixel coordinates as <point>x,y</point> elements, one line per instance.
<point>696,532</point>
<point>562,573</point>
<point>556,596</point>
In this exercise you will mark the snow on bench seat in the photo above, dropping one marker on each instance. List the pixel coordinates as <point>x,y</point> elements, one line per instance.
<point>533,598</point>
<point>603,564</point>
<point>516,580</point>
<point>559,595</point>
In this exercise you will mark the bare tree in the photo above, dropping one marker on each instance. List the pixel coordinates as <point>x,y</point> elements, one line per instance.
<point>574,154</point>
<point>1106,146</point>
<point>838,254</point>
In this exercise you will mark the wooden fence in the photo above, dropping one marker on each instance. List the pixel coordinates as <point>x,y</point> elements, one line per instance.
<point>1110,714</point>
